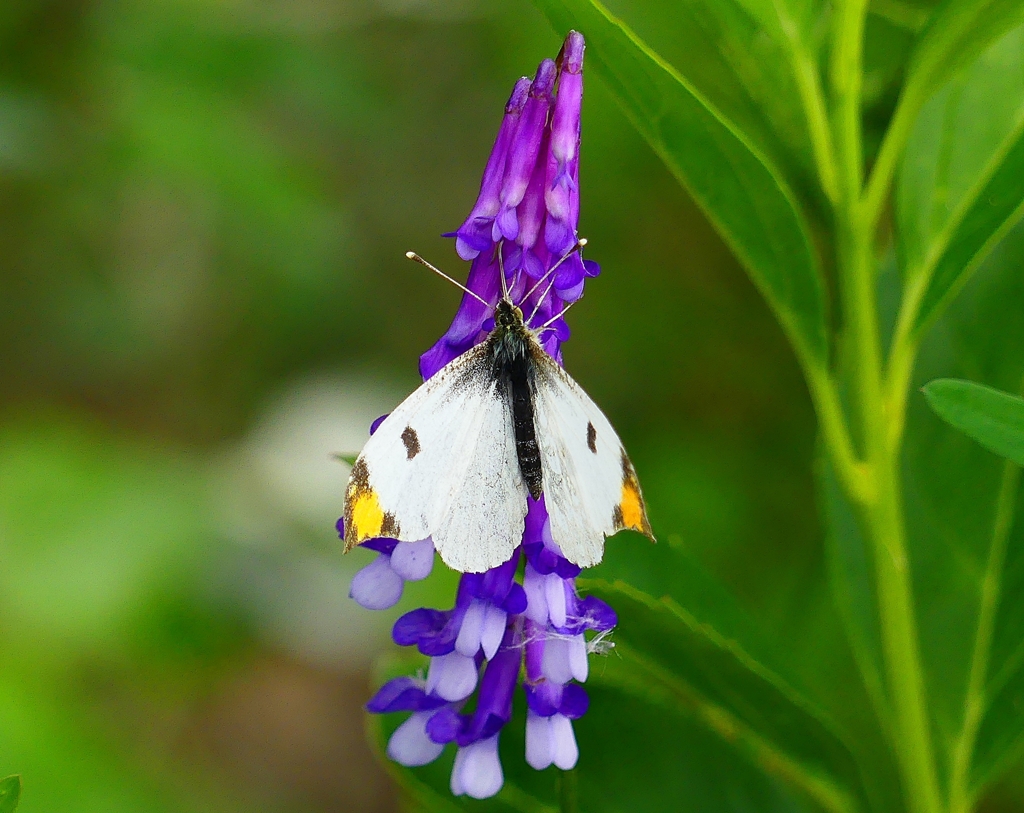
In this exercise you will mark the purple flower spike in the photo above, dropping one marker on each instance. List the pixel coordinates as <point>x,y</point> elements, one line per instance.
<point>473,236</point>
<point>527,214</point>
<point>524,151</point>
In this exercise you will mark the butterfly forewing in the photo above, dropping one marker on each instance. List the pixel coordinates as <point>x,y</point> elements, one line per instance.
<point>590,488</point>
<point>443,465</point>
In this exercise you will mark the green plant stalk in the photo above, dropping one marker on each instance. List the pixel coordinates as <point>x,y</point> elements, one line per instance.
<point>961,797</point>
<point>883,521</point>
<point>882,511</point>
<point>568,795</point>
<point>900,645</point>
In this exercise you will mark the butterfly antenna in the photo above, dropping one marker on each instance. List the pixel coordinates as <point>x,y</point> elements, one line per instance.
<point>501,271</point>
<point>540,301</point>
<point>578,245</point>
<point>557,316</point>
<point>412,255</point>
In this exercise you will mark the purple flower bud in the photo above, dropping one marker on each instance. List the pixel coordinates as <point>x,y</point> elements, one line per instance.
<point>565,122</point>
<point>494,701</point>
<point>431,631</point>
<point>403,694</point>
<point>445,725</point>
<point>473,236</point>
<point>523,151</point>
<point>531,213</point>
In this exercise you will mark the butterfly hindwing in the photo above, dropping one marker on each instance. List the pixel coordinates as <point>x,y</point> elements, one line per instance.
<point>590,488</point>
<point>443,465</point>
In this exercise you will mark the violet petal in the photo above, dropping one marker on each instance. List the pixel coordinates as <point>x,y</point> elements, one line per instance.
<point>477,770</point>
<point>452,676</point>
<point>539,741</point>
<point>377,586</point>
<point>492,629</point>
<point>409,744</point>
<point>444,725</point>
<point>468,642</point>
<point>413,561</point>
<point>575,701</point>
<point>554,592</point>
<point>564,751</point>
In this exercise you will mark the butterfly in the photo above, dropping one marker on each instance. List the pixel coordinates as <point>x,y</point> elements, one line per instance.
<point>457,460</point>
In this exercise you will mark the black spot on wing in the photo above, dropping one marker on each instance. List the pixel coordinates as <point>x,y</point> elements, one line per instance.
<point>390,527</point>
<point>411,441</point>
<point>358,483</point>
<point>591,437</point>
<point>359,477</point>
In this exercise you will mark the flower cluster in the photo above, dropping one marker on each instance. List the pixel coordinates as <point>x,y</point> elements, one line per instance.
<point>502,632</point>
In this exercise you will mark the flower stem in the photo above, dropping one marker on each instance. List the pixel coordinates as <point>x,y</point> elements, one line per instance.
<point>881,431</point>
<point>568,798</point>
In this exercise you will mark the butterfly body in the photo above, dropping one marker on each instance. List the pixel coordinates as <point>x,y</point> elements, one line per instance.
<point>458,458</point>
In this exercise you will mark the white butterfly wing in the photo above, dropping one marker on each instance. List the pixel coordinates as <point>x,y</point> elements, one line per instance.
<point>590,488</point>
<point>444,465</point>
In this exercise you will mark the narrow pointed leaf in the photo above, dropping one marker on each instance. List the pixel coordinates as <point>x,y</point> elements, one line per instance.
<point>684,643</point>
<point>756,62</point>
<point>956,33</point>
<point>10,793</point>
<point>745,196</point>
<point>682,664</point>
<point>961,184</point>
<point>993,418</point>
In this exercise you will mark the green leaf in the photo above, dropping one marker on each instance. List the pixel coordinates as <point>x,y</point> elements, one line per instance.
<point>685,664</point>
<point>957,32</point>
<point>993,418</point>
<point>693,700</point>
<point>634,755</point>
<point>743,193</point>
<point>961,183</point>
<point>684,643</point>
<point>965,542</point>
<point>755,61</point>
<point>10,793</point>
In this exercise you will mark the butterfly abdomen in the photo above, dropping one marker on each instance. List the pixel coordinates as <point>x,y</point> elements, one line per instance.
<point>527,449</point>
<point>511,362</point>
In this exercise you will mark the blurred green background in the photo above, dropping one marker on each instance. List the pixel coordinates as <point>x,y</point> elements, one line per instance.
<point>203,210</point>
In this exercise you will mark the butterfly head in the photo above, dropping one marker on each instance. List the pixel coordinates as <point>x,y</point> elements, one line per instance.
<point>507,315</point>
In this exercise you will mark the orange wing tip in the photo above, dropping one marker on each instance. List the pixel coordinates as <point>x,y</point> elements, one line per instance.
<point>631,512</point>
<point>364,516</point>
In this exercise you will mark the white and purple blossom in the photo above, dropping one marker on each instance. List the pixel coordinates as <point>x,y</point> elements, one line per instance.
<point>501,632</point>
